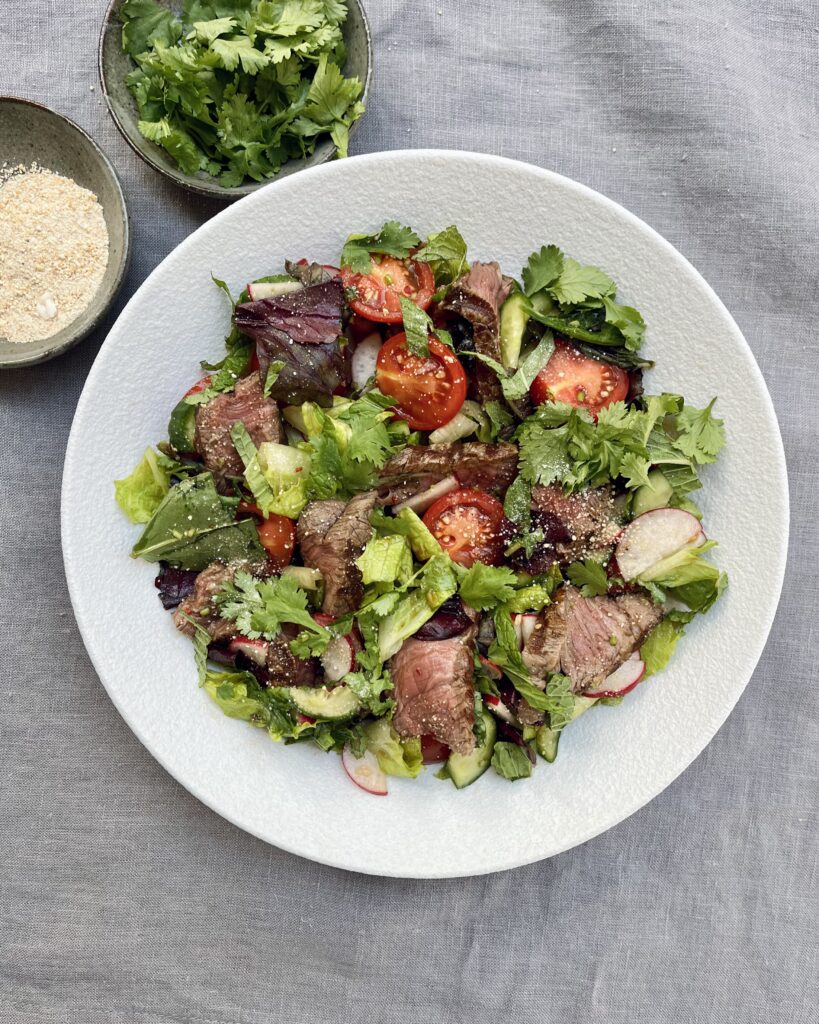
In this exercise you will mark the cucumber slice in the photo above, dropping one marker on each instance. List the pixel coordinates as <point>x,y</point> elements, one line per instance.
<point>463,769</point>
<point>182,427</point>
<point>547,739</point>
<point>655,494</point>
<point>330,705</point>
<point>513,321</point>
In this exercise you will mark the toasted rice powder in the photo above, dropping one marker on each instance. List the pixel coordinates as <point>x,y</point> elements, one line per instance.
<point>53,252</point>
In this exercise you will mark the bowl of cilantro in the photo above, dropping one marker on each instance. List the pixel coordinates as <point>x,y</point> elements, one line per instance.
<point>223,97</point>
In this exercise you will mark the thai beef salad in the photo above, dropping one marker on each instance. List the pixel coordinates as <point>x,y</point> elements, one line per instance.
<point>422,512</point>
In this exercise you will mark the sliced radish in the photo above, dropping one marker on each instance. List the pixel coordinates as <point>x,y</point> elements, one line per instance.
<point>492,669</point>
<point>424,499</point>
<point>622,679</point>
<point>654,536</point>
<point>337,659</point>
<point>499,709</point>
<point>365,771</point>
<point>524,624</point>
<point>255,650</point>
<point>270,289</point>
<point>364,359</point>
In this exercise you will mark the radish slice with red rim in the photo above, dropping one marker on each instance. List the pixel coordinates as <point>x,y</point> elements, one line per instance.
<point>622,679</point>
<point>365,771</point>
<point>255,650</point>
<point>364,358</point>
<point>338,659</point>
<point>653,536</point>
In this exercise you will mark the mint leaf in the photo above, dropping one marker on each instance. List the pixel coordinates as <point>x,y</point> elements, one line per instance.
<point>510,761</point>
<point>445,252</point>
<point>417,326</point>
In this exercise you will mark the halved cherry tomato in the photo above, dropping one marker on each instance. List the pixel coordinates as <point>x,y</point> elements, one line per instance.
<point>278,537</point>
<point>199,386</point>
<point>253,365</point>
<point>377,295</point>
<point>433,751</point>
<point>585,383</point>
<point>468,524</point>
<point>429,390</point>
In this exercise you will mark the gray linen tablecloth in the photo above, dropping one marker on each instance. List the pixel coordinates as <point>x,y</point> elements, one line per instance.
<point>123,899</point>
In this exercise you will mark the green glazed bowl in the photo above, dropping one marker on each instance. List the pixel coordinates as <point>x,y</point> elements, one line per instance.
<point>29,133</point>
<point>114,66</point>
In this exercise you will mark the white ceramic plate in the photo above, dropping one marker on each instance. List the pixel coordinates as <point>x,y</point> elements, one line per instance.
<point>611,762</point>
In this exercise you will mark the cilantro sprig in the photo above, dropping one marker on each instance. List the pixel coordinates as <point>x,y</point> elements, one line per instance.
<point>579,301</point>
<point>393,239</point>
<point>260,607</point>
<point>239,87</point>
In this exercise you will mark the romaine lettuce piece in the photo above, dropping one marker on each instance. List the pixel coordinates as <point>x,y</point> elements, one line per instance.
<point>140,494</point>
<point>385,559</point>
<point>396,756</point>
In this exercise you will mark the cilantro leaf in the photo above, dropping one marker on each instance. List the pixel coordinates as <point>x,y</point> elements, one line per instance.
<point>392,240</point>
<point>417,326</point>
<point>590,577</point>
<point>485,586</point>
<point>702,435</point>
<point>578,283</point>
<point>145,22</point>
<point>543,269</point>
<point>237,89</point>
<point>259,607</point>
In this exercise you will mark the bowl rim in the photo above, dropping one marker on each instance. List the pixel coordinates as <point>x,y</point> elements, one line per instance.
<point>84,327</point>
<point>208,186</point>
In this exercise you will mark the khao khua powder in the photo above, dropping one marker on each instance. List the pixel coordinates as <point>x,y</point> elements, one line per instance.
<point>53,252</point>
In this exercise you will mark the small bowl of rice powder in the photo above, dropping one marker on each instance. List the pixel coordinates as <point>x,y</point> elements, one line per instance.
<point>64,237</point>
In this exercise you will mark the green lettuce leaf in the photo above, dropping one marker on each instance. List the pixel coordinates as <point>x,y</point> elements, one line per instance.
<point>396,756</point>
<point>659,645</point>
<point>140,494</point>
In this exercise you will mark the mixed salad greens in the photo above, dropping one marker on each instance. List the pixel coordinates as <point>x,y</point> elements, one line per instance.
<point>237,87</point>
<point>422,512</point>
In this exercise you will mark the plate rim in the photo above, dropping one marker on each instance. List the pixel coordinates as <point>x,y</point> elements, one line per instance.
<point>781,482</point>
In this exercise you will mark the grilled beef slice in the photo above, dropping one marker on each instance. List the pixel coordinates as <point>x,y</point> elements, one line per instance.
<point>245,404</point>
<point>200,608</point>
<point>433,690</point>
<point>587,638</point>
<point>492,467</point>
<point>284,668</point>
<point>575,526</point>
<point>331,536</point>
<point>477,297</point>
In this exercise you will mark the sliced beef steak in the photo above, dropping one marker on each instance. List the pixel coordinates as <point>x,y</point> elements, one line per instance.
<point>200,608</point>
<point>284,668</point>
<point>575,526</point>
<point>478,297</point>
<point>492,467</point>
<point>433,690</point>
<point>245,404</point>
<point>331,536</point>
<point>587,638</point>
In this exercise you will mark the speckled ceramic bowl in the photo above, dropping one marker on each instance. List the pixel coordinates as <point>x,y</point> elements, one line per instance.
<point>32,133</point>
<point>114,66</point>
